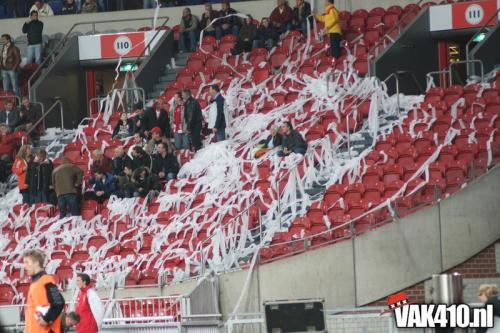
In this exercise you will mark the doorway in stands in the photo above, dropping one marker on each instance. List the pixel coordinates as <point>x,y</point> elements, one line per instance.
<point>100,81</point>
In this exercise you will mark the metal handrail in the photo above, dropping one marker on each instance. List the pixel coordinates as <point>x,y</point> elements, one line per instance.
<point>453,64</point>
<point>66,37</point>
<point>467,46</point>
<point>52,107</point>
<point>444,71</point>
<point>388,33</point>
<point>396,75</point>
<point>91,102</point>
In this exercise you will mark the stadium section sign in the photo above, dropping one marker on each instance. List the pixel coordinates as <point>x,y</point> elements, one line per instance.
<point>463,15</point>
<point>113,46</point>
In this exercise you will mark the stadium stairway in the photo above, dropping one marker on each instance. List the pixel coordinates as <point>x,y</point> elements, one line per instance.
<point>169,75</point>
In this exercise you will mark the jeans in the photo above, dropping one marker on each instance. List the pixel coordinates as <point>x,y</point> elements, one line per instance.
<point>234,30</point>
<point>193,39</point>
<point>268,44</point>
<point>9,80</point>
<point>196,138</point>
<point>217,33</point>
<point>220,135</point>
<point>149,3</point>
<point>335,45</point>
<point>34,53</point>
<point>181,141</point>
<point>68,200</point>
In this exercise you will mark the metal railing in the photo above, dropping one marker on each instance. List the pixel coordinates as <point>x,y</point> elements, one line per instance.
<point>480,31</point>
<point>45,114</point>
<point>53,54</point>
<point>446,75</point>
<point>396,76</point>
<point>467,62</point>
<point>372,53</point>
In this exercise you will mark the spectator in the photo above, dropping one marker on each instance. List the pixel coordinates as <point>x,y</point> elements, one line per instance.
<point>137,141</point>
<point>141,122</point>
<point>188,29</point>
<point>152,146</point>
<point>149,4</point>
<point>124,128</point>
<point>29,114</point>
<point>140,159</point>
<point>100,161</point>
<point>158,117</point>
<point>193,117</point>
<point>245,39</point>
<point>88,306</point>
<point>301,14</point>
<point>90,6</point>
<point>292,141</point>
<point>69,7</point>
<point>206,22</point>
<point>120,161</point>
<point>20,169</point>
<point>104,186</point>
<point>217,116</point>
<point>43,9</point>
<point>231,24</point>
<point>39,179</point>
<point>34,28</point>
<point>165,163</point>
<point>16,7</point>
<point>67,179</point>
<point>126,185</point>
<point>6,143</point>
<point>69,320</point>
<point>266,36</point>
<point>488,294</point>
<point>45,303</point>
<point>281,17</point>
<point>332,27</point>
<point>179,122</point>
<point>9,116</point>
<point>145,182</point>
<point>272,141</point>
<point>10,59</point>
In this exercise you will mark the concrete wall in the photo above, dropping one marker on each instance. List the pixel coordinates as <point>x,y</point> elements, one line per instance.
<point>257,9</point>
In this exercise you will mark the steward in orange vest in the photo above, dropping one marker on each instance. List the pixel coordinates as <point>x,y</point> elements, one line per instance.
<point>44,303</point>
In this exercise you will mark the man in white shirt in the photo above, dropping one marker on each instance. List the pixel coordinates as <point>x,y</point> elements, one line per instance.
<point>42,8</point>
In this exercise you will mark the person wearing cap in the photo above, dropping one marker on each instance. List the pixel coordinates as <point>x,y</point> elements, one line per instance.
<point>158,117</point>
<point>157,138</point>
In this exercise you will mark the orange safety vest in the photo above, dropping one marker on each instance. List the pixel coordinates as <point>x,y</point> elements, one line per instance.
<point>37,296</point>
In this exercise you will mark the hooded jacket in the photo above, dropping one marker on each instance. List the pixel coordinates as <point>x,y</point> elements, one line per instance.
<point>331,19</point>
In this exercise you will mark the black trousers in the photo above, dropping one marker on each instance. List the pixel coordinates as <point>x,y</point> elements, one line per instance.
<point>196,137</point>
<point>335,39</point>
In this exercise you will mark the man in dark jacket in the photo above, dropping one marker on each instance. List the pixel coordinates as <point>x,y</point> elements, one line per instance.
<point>9,116</point>
<point>301,15</point>
<point>141,122</point>
<point>145,182</point>
<point>281,17</point>
<point>245,39</point>
<point>231,24</point>
<point>158,117</point>
<point>104,186</point>
<point>120,160</point>
<point>220,121</point>
<point>292,141</point>
<point>39,178</point>
<point>165,163</point>
<point>34,28</point>
<point>206,19</point>
<point>126,185</point>
<point>188,29</point>
<point>29,114</point>
<point>66,180</point>
<point>10,59</point>
<point>194,118</point>
<point>69,320</point>
<point>266,36</point>
<point>140,159</point>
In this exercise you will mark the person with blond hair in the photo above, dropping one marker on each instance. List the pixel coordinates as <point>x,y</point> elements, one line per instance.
<point>99,160</point>
<point>20,169</point>
<point>488,294</point>
<point>44,303</point>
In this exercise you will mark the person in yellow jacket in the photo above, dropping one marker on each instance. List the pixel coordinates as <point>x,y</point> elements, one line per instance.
<point>44,303</point>
<point>332,27</point>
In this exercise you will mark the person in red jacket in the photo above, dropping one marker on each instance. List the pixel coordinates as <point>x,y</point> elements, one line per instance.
<point>88,306</point>
<point>281,17</point>
<point>20,168</point>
